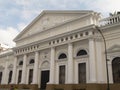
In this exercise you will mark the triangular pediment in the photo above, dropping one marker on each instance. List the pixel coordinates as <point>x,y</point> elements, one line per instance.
<point>114,48</point>
<point>48,19</point>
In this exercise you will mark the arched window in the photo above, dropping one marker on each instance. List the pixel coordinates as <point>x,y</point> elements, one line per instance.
<point>21,63</point>
<point>62,56</point>
<point>31,61</point>
<point>81,52</point>
<point>116,69</point>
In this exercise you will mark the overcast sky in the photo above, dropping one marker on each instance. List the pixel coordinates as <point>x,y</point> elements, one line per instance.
<point>16,14</point>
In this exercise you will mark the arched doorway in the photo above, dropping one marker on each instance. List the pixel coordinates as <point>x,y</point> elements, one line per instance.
<point>116,69</point>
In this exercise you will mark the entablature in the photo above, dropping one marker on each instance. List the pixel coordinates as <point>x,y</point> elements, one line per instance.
<point>73,36</point>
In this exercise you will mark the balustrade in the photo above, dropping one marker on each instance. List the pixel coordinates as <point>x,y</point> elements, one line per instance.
<point>110,20</point>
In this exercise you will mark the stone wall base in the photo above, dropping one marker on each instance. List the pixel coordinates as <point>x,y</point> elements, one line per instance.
<point>82,87</point>
<point>20,86</point>
<point>64,86</point>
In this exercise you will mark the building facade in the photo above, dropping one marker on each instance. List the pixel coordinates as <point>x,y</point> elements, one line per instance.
<point>63,50</point>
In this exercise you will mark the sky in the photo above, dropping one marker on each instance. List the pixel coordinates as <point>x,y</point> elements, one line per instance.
<point>15,15</point>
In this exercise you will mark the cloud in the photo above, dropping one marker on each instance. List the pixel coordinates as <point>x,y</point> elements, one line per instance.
<point>15,16</point>
<point>103,6</point>
<point>7,35</point>
<point>33,7</point>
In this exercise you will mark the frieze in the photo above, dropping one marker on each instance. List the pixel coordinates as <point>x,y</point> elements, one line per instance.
<point>55,42</point>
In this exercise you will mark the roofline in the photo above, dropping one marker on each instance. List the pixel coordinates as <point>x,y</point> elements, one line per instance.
<point>67,11</point>
<point>8,52</point>
<point>58,25</point>
<point>28,26</point>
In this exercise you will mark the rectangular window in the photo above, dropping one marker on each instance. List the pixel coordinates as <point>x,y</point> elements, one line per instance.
<point>30,76</point>
<point>62,74</point>
<point>82,72</point>
<point>0,77</point>
<point>10,77</point>
<point>19,76</point>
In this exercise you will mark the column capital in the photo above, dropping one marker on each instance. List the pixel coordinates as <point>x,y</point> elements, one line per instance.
<point>52,47</point>
<point>70,43</point>
<point>36,52</point>
<point>25,55</point>
<point>91,39</point>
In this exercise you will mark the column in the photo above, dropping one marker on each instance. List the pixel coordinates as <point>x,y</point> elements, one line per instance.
<point>14,71</point>
<point>24,70</point>
<point>92,61</point>
<point>35,71</point>
<point>5,74</point>
<point>110,71</point>
<point>99,57</point>
<point>52,66</point>
<point>70,64</point>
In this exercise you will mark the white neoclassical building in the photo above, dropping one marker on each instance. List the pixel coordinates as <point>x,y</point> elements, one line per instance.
<point>63,50</point>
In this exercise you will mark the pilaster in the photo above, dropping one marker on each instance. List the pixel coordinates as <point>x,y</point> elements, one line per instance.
<point>35,71</point>
<point>70,64</point>
<point>52,66</point>
<point>5,74</point>
<point>14,71</point>
<point>92,62</point>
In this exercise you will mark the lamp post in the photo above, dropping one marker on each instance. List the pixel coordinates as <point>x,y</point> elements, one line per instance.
<point>99,30</point>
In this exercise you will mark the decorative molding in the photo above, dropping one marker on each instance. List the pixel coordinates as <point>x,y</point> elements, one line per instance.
<point>37,45</point>
<point>10,66</point>
<point>61,60</point>
<point>81,57</point>
<point>2,68</point>
<point>45,65</point>
<point>114,48</point>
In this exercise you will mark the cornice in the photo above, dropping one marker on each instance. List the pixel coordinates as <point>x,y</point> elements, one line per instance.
<point>56,26</point>
<point>53,41</point>
<point>6,54</point>
<point>29,25</point>
<point>58,36</point>
<point>68,11</point>
<point>110,26</point>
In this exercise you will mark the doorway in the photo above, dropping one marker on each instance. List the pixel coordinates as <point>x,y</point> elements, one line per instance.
<point>44,79</point>
<point>116,69</point>
<point>82,72</point>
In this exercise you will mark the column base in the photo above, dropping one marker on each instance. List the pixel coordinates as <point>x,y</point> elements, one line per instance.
<point>34,83</point>
<point>93,81</point>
